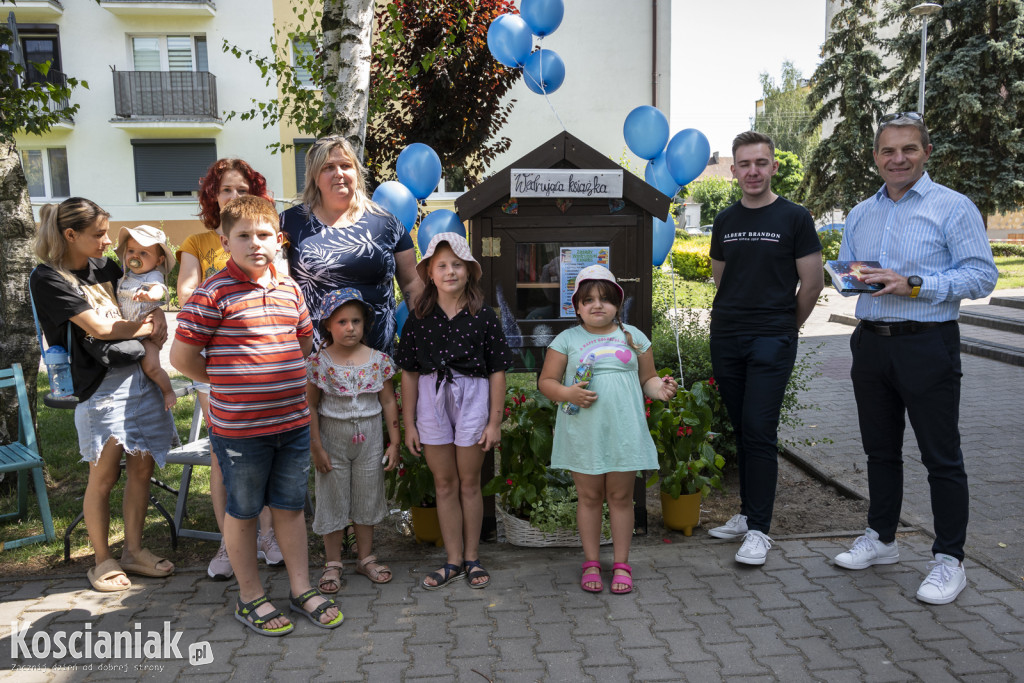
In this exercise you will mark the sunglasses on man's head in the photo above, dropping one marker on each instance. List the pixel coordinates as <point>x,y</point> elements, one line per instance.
<point>912,115</point>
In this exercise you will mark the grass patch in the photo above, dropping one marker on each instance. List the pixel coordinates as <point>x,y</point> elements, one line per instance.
<point>1011,272</point>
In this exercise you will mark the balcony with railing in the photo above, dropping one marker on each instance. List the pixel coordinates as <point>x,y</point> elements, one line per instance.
<point>56,78</point>
<point>187,98</point>
<point>160,8</point>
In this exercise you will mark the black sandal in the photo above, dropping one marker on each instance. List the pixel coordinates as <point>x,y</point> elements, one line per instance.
<point>444,576</point>
<point>474,570</point>
<point>245,612</point>
<point>317,612</point>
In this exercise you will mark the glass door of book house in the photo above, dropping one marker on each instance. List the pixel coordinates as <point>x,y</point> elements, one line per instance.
<point>533,278</point>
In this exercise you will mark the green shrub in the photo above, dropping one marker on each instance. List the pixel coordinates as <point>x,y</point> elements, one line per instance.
<point>1007,249</point>
<point>690,258</point>
<point>830,242</point>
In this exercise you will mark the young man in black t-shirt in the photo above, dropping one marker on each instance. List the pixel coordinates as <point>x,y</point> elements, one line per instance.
<point>762,248</point>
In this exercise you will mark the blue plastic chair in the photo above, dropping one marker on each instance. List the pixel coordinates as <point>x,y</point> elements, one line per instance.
<point>22,457</point>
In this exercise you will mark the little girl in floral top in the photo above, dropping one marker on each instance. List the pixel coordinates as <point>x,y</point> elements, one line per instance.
<point>349,386</point>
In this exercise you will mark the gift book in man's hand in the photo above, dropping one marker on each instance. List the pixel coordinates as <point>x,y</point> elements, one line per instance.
<point>847,277</point>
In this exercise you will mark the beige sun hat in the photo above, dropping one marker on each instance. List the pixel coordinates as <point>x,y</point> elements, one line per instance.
<point>458,244</point>
<point>595,272</point>
<point>146,236</point>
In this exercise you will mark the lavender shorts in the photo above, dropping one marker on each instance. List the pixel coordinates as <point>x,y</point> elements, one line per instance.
<point>456,412</point>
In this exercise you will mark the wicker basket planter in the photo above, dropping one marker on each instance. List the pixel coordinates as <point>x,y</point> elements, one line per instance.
<point>519,532</point>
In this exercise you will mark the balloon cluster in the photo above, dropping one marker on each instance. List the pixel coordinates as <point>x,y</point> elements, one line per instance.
<point>419,171</point>
<point>669,167</point>
<point>510,40</point>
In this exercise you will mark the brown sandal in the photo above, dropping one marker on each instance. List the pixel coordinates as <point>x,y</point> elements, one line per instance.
<point>327,581</point>
<point>373,573</point>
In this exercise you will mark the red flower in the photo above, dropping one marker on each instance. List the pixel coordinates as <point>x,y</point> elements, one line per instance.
<point>647,413</point>
<point>711,381</point>
<point>401,471</point>
<point>522,398</point>
<point>680,432</point>
<point>508,481</point>
<point>648,401</point>
<point>508,411</point>
<point>689,431</point>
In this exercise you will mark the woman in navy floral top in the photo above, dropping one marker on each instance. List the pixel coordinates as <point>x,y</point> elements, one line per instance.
<point>339,238</point>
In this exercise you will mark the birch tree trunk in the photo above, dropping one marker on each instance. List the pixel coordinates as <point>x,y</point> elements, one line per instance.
<point>17,330</point>
<point>348,31</point>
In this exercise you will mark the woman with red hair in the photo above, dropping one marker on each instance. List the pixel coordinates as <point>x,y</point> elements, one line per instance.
<point>201,255</point>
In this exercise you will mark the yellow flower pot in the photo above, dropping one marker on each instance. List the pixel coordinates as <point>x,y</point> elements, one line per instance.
<point>682,513</point>
<point>425,527</point>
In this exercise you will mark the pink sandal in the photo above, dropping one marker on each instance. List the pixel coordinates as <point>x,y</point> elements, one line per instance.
<point>592,577</point>
<point>628,580</point>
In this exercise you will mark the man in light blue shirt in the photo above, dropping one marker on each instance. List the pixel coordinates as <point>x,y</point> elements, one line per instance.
<point>931,244</point>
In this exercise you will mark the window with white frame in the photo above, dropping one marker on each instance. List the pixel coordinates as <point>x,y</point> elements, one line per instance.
<point>46,171</point>
<point>303,51</point>
<point>169,53</point>
<point>170,170</point>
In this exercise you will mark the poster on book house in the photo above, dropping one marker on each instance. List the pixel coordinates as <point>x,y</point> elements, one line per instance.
<point>572,261</point>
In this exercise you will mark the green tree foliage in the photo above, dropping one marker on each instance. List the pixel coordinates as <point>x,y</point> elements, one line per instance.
<point>974,95</point>
<point>845,88</point>
<point>786,112</point>
<point>787,180</point>
<point>713,194</point>
<point>434,81</point>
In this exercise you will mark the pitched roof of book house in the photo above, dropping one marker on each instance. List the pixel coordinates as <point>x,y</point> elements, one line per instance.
<point>562,151</point>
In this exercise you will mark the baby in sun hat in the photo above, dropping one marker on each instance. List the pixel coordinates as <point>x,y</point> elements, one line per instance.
<point>146,259</point>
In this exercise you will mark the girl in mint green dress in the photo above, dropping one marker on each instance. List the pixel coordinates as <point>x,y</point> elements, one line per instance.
<point>607,441</point>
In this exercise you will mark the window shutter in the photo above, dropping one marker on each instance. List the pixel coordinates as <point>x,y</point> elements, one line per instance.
<point>172,165</point>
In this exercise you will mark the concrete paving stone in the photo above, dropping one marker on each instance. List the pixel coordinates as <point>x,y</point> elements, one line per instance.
<point>436,603</point>
<point>473,669</point>
<point>429,633</point>
<point>770,597</point>
<point>385,646</point>
<point>697,602</point>
<point>636,633</point>
<point>998,616</point>
<point>736,659</point>
<point>650,664</point>
<point>793,580</point>
<point>601,651</point>
<point>847,632</point>
<point>819,606</point>
<point>344,662</point>
<point>625,606</point>
<point>517,675</point>
<point>1013,599</point>
<point>393,618</point>
<point>963,661</point>
<point>686,646</point>
<point>816,565</point>
<point>928,625</point>
<point>471,615</point>
<point>253,667</point>
<point>1010,662</point>
<point>696,671</point>
<point>511,625</point>
<point>429,660</point>
<point>818,652</point>
<point>716,628</point>
<point>379,671</point>
<point>471,641</point>
<point>563,667</point>
<point>302,649</point>
<point>554,637</point>
<point>766,641</point>
<point>904,646</point>
<point>667,617</point>
<point>516,650</point>
<point>883,664</point>
<point>931,670</point>
<point>730,587</point>
<point>679,580</point>
<point>794,623</point>
<point>744,612</point>
<point>591,621</point>
<point>205,677</point>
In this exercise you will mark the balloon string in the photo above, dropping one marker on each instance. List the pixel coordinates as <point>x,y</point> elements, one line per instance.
<point>675,324</point>
<point>543,90</point>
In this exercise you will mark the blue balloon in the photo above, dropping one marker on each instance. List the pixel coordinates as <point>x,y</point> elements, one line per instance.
<point>401,315</point>
<point>687,155</point>
<point>657,175</point>
<point>664,236</point>
<point>509,40</point>
<point>544,71</point>
<point>543,16</point>
<point>646,131</point>
<point>419,169</point>
<point>396,198</point>
<point>435,223</point>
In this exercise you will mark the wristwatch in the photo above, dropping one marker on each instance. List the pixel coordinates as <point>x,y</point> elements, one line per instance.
<point>915,283</point>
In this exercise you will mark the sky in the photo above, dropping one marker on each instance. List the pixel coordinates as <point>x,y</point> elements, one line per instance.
<point>720,47</point>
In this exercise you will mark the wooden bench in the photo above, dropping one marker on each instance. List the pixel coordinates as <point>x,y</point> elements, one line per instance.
<point>22,457</point>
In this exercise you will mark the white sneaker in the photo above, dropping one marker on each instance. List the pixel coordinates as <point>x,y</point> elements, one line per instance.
<point>268,550</point>
<point>867,550</point>
<point>754,549</point>
<point>944,582</point>
<point>220,566</point>
<point>734,528</point>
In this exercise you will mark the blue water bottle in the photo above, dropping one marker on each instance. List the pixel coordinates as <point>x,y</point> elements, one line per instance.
<point>584,372</point>
<point>59,370</point>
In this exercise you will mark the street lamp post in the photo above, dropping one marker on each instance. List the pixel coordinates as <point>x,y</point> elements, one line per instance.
<point>924,10</point>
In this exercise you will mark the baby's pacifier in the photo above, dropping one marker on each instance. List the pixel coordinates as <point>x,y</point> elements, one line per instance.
<point>134,263</point>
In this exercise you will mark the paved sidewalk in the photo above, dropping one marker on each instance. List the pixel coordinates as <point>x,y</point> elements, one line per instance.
<point>695,615</point>
<point>992,436</point>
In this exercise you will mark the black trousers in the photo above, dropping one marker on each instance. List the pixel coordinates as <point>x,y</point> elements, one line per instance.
<point>752,374</point>
<point>917,375</point>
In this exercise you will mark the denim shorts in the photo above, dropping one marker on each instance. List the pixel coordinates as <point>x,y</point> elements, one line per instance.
<point>128,407</point>
<point>271,470</point>
<point>455,412</point>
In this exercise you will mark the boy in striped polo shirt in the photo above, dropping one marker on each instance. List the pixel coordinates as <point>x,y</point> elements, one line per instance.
<point>254,326</point>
